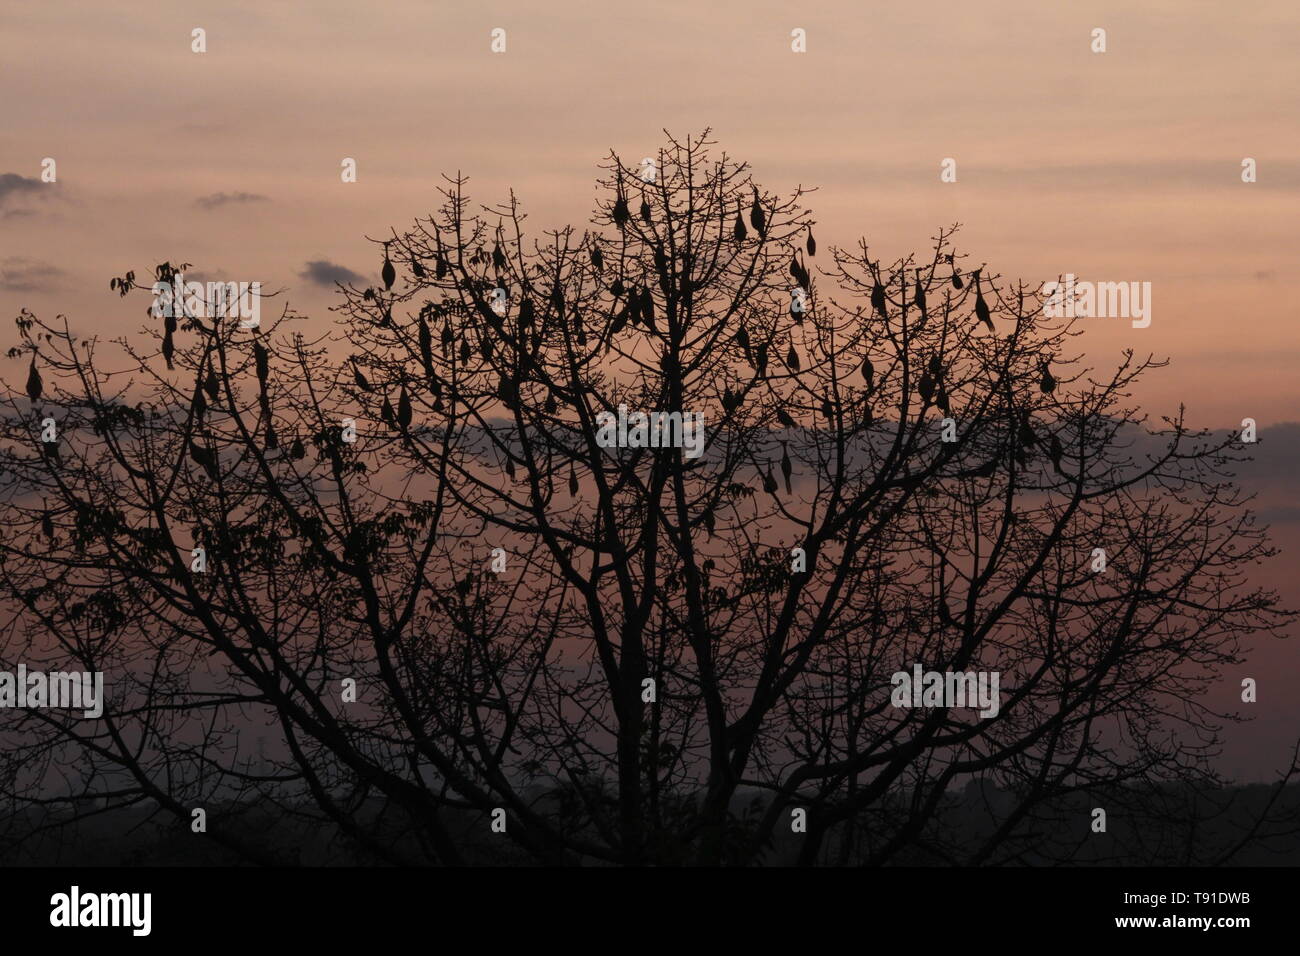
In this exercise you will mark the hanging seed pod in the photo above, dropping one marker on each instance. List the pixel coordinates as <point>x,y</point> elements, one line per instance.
<point>361,381</point>
<point>205,459</point>
<point>426,347</point>
<point>619,322</point>
<point>648,308</point>
<point>168,345</point>
<point>756,216</point>
<point>404,409</point>
<point>981,307</point>
<point>1047,383</point>
<point>878,300</point>
<point>388,273</point>
<point>34,382</point>
<point>263,363</point>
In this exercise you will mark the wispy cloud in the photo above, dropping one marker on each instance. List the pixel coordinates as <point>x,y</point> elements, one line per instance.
<point>322,272</point>
<point>13,188</point>
<point>18,274</point>
<point>1279,514</point>
<point>11,184</point>
<point>216,200</point>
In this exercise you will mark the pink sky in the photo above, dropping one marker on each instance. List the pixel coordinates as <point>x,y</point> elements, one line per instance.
<point>1116,166</point>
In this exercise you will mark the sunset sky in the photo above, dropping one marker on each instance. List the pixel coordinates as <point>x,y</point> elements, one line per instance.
<point>1121,166</point>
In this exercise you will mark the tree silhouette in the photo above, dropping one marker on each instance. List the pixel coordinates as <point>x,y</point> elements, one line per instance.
<point>668,656</point>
